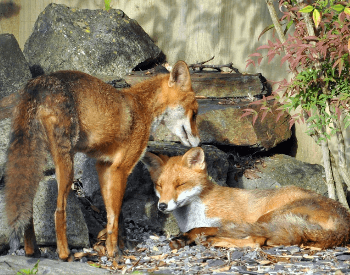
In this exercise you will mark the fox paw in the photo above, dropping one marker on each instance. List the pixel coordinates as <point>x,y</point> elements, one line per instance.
<point>179,241</point>
<point>35,254</point>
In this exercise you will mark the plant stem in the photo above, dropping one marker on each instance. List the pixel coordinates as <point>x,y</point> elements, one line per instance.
<point>327,167</point>
<point>339,185</point>
<point>275,20</point>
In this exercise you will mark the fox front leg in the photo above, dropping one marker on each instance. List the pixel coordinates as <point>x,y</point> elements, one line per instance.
<point>198,235</point>
<point>113,183</point>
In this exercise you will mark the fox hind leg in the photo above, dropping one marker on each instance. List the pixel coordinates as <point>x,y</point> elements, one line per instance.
<point>214,236</point>
<point>195,235</point>
<point>30,246</point>
<point>60,145</point>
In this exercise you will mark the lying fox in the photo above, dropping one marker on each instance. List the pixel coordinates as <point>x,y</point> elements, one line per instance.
<point>69,111</point>
<point>234,217</point>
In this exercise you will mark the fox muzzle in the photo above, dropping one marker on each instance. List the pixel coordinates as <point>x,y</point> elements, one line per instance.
<point>162,206</point>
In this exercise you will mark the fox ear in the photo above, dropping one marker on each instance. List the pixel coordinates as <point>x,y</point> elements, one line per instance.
<point>180,76</point>
<point>194,159</point>
<point>154,165</point>
<point>152,161</point>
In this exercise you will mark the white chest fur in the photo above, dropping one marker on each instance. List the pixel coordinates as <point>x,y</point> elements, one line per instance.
<point>193,215</point>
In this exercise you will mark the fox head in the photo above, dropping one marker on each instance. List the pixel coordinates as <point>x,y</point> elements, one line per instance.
<point>177,180</point>
<point>182,107</point>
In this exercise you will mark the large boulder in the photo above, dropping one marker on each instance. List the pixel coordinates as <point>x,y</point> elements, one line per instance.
<point>98,42</point>
<point>14,69</point>
<point>278,171</point>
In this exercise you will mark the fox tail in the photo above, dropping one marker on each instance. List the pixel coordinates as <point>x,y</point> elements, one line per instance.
<point>24,166</point>
<point>292,229</point>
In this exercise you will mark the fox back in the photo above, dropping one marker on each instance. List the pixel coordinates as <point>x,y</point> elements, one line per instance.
<point>285,216</point>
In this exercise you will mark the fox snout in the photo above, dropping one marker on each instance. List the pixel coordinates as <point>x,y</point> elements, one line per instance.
<point>167,207</point>
<point>162,206</point>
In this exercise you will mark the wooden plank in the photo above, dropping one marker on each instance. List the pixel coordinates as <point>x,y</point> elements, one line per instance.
<point>215,84</point>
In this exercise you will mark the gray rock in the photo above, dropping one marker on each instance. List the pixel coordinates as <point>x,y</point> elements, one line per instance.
<point>282,170</point>
<point>14,69</point>
<point>5,126</point>
<point>12,264</point>
<point>97,42</point>
<point>4,233</point>
<point>44,211</point>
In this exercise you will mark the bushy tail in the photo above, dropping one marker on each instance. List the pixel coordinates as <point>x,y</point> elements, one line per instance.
<point>25,161</point>
<point>291,229</point>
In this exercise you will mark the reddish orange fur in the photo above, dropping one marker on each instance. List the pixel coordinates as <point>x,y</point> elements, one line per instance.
<point>237,217</point>
<point>71,111</point>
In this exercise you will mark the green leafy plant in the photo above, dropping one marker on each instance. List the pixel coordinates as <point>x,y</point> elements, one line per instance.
<point>107,5</point>
<point>318,92</point>
<point>34,270</point>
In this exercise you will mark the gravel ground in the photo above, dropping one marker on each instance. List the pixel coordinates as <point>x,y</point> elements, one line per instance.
<point>153,256</point>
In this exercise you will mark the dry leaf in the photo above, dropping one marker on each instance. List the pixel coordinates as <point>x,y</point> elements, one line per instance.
<point>102,235</point>
<point>313,248</point>
<point>222,269</point>
<point>223,244</point>
<point>80,255</point>
<point>158,257</point>
<point>265,262</point>
<point>131,257</point>
<point>161,264</point>
<point>95,208</point>
<point>118,266</point>
<point>152,269</point>
<point>100,249</point>
<point>251,174</point>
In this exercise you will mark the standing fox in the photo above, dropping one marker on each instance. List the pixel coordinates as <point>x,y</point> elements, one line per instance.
<point>235,217</point>
<point>69,111</point>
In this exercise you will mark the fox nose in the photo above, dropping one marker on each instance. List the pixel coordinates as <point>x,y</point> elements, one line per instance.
<point>162,206</point>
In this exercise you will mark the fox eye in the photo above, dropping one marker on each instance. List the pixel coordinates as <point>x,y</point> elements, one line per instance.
<point>158,186</point>
<point>194,115</point>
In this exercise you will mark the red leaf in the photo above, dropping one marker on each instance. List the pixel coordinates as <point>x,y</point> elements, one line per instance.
<point>271,56</point>
<point>279,115</point>
<point>285,58</point>
<point>291,123</point>
<point>255,54</point>
<point>313,38</point>
<point>263,47</point>
<point>338,111</point>
<point>254,118</point>
<point>264,114</point>
<point>250,61</point>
